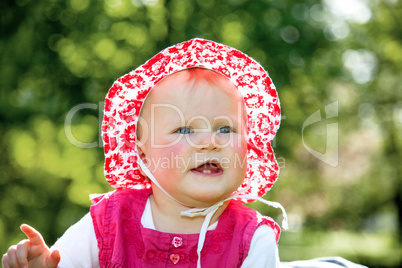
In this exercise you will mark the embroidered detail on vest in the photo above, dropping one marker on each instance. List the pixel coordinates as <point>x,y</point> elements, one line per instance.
<point>131,231</point>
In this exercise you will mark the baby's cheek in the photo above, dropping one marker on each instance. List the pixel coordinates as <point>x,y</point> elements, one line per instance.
<point>239,144</point>
<point>179,155</point>
<point>178,147</point>
<point>239,161</point>
<point>240,153</point>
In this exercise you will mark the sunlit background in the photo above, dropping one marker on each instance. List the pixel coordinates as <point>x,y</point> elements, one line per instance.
<point>337,66</point>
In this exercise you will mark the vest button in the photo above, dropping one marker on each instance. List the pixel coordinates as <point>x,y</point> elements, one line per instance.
<point>174,258</point>
<point>177,241</point>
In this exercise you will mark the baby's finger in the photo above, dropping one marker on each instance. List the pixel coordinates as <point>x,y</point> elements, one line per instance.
<point>53,259</point>
<point>4,261</point>
<point>22,252</point>
<point>34,236</point>
<point>10,259</point>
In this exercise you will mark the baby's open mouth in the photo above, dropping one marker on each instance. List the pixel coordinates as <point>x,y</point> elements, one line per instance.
<point>209,168</point>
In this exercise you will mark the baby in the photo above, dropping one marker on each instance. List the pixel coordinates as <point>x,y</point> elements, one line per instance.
<point>187,139</point>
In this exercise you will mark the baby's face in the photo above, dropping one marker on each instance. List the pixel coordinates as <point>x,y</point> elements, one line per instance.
<point>192,135</point>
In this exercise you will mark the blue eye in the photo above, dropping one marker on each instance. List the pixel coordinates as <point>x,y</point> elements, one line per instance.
<point>224,130</point>
<point>184,130</point>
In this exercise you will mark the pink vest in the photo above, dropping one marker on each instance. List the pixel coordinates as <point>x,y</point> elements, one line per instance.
<point>124,242</point>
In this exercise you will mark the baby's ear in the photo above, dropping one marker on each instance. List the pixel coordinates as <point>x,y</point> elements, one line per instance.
<point>143,158</point>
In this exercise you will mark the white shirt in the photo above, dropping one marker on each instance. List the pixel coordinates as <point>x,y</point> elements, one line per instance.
<point>78,246</point>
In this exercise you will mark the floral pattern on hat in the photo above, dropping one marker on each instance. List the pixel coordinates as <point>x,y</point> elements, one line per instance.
<point>126,97</point>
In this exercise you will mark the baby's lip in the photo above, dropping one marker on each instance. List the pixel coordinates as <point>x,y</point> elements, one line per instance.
<point>209,168</point>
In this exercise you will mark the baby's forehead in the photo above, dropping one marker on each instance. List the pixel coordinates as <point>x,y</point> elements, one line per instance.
<point>194,93</point>
<point>196,82</point>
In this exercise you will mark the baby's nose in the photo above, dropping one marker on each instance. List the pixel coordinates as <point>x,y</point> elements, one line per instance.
<point>206,140</point>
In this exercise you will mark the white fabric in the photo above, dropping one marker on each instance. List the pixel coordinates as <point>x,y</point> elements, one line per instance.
<point>78,246</point>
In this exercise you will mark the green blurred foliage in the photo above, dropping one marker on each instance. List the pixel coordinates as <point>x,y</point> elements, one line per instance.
<point>58,55</point>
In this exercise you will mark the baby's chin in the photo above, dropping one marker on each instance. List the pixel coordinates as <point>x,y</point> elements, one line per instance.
<point>203,199</point>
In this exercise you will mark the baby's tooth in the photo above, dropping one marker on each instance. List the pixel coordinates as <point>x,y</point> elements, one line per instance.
<point>206,171</point>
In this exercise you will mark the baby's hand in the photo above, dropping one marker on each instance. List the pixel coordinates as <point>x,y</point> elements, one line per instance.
<point>31,252</point>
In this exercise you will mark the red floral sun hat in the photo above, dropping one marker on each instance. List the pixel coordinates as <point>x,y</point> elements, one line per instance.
<point>125,98</point>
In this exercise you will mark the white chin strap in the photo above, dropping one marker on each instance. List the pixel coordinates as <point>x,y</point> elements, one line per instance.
<point>208,212</point>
